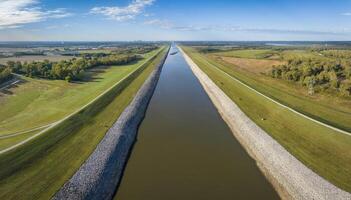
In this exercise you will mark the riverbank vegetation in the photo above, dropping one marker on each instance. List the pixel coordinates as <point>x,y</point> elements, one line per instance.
<point>325,151</point>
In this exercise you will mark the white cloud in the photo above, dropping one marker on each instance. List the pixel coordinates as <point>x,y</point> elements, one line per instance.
<point>346,14</point>
<point>14,13</point>
<point>58,26</point>
<point>56,14</point>
<point>160,23</point>
<point>149,14</point>
<point>135,8</point>
<point>165,24</point>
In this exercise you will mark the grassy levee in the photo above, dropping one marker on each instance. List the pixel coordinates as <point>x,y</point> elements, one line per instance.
<point>325,108</point>
<point>37,169</point>
<point>325,151</point>
<point>36,102</point>
<point>8,142</point>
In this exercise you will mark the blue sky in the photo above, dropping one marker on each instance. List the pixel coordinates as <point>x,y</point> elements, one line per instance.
<point>104,20</point>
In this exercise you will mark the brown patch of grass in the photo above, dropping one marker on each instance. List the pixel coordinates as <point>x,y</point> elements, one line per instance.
<point>252,65</point>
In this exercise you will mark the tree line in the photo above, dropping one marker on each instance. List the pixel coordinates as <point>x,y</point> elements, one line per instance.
<point>136,50</point>
<point>5,74</point>
<point>341,54</point>
<point>317,75</point>
<point>67,69</point>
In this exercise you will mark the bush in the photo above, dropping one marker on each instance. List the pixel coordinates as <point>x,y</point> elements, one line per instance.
<point>345,87</point>
<point>67,68</point>
<point>316,74</point>
<point>68,79</point>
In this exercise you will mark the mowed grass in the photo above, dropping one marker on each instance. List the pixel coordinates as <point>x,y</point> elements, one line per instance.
<point>301,54</point>
<point>325,151</point>
<point>272,54</point>
<point>249,53</point>
<point>10,141</point>
<point>39,168</point>
<point>252,65</point>
<point>38,102</point>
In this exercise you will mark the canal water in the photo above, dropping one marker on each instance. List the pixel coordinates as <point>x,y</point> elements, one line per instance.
<point>185,150</point>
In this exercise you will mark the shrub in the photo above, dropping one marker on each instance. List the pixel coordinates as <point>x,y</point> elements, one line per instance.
<point>67,68</point>
<point>316,74</point>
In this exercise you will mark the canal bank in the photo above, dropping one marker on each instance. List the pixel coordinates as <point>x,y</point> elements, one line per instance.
<point>291,178</point>
<point>98,177</point>
<point>184,149</point>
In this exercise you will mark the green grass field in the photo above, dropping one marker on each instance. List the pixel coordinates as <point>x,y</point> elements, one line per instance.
<point>271,54</point>
<point>107,51</point>
<point>292,54</point>
<point>325,151</point>
<point>37,169</point>
<point>249,53</point>
<point>38,102</point>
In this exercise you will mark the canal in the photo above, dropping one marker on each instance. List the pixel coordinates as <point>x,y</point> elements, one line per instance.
<point>185,150</point>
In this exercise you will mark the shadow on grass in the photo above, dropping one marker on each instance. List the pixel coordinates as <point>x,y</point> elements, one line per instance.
<point>7,90</point>
<point>89,76</point>
<point>92,75</point>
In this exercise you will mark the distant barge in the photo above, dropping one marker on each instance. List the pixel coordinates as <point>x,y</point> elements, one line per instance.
<point>173,53</point>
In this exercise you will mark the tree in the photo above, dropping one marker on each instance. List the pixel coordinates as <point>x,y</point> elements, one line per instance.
<point>68,78</point>
<point>72,68</point>
<point>333,79</point>
<point>345,87</point>
<point>5,74</point>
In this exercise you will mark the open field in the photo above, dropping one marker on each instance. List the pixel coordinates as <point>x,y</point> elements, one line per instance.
<point>290,54</point>
<point>249,53</point>
<point>272,53</point>
<point>325,107</point>
<point>40,167</point>
<point>96,51</point>
<point>51,100</point>
<point>325,151</point>
<point>34,58</point>
<point>252,65</point>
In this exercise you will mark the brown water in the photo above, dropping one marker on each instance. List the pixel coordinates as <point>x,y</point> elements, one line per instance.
<point>185,150</point>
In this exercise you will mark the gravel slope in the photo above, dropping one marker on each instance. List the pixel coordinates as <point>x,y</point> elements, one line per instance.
<point>99,176</point>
